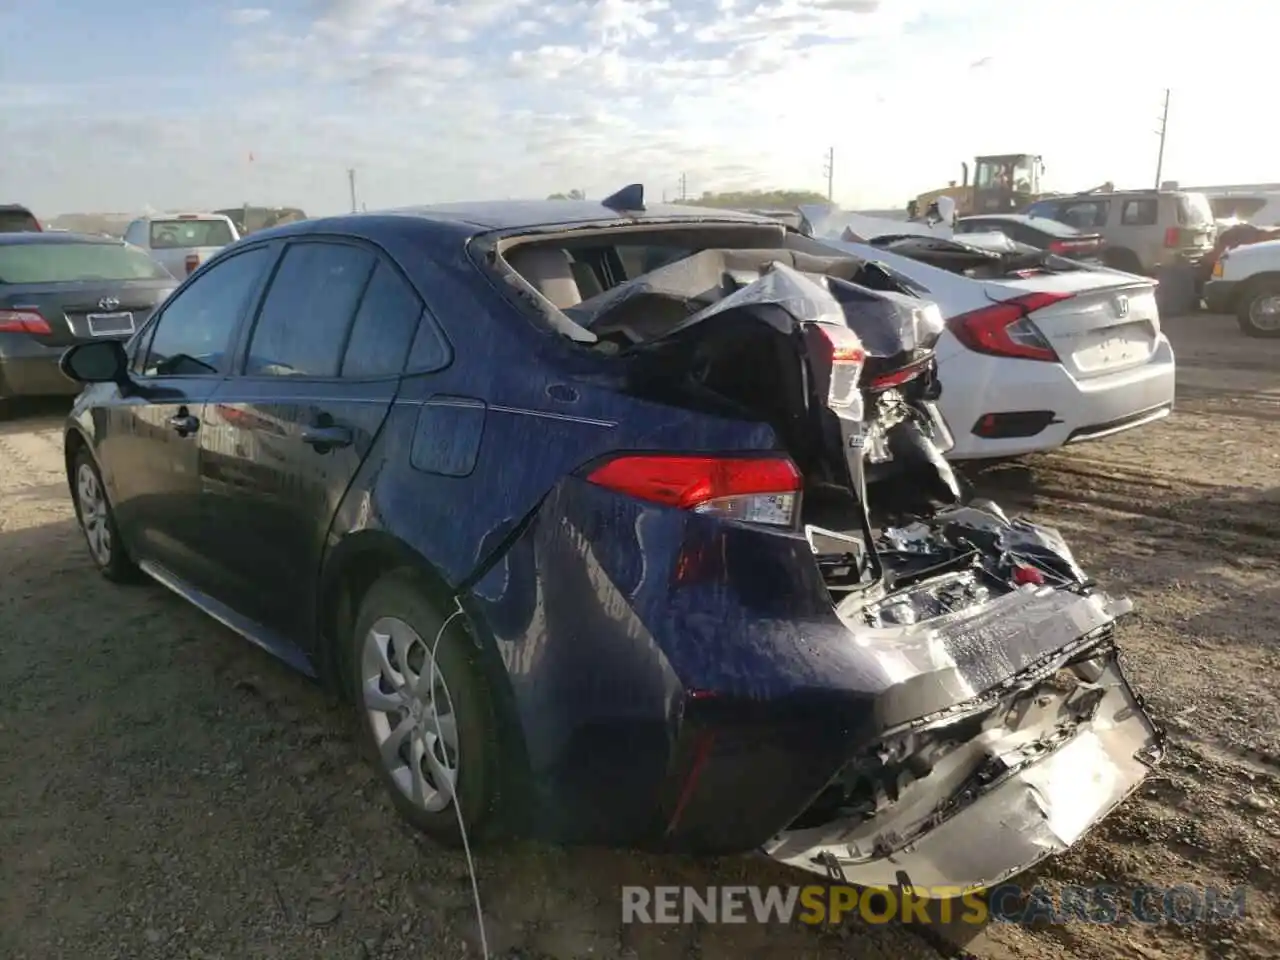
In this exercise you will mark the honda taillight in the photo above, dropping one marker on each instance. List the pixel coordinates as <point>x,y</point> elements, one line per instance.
<point>193,261</point>
<point>1005,329</point>
<point>753,489</point>
<point>26,320</point>
<point>1172,237</point>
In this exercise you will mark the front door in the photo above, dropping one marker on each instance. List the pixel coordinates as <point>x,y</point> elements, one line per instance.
<point>289,431</point>
<point>152,452</point>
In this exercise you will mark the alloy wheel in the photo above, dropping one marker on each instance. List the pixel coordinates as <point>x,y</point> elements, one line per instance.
<point>410,713</point>
<point>1264,312</point>
<point>93,514</point>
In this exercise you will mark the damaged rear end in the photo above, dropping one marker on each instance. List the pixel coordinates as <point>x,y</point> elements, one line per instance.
<point>929,693</point>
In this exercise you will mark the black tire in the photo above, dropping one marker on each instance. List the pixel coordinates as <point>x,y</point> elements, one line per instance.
<point>1122,259</point>
<point>116,564</point>
<point>405,596</point>
<point>1252,294</point>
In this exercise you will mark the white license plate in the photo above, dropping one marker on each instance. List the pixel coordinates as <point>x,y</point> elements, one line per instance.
<point>106,324</point>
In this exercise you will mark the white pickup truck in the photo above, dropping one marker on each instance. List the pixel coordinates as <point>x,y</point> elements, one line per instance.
<point>180,242</point>
<point>1246,282</point>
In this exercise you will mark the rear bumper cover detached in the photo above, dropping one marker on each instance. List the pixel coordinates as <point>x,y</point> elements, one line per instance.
<point>1044,781</point>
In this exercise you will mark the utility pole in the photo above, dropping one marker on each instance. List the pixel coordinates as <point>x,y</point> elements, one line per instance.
<point>684,192</point>
<point>830,171</point>
<point>351,183</point>
<point>1164,128</point>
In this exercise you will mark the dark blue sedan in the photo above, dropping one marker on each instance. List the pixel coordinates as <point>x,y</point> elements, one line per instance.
<point>445,460</point>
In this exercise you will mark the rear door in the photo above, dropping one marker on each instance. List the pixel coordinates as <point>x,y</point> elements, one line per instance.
<point>82,291</point>
<point>152,457</point>
<point>287,434</point>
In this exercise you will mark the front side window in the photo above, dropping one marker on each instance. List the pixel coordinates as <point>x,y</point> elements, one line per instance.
<point>195,330</point>
<point>308,310</point>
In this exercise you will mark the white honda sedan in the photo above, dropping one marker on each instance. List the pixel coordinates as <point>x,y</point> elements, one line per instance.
<point>1040,351</point>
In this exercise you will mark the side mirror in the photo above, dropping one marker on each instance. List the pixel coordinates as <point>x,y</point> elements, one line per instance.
<point>100,361</point>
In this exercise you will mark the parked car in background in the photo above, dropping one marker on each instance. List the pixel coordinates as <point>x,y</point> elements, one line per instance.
<point>1246,282</point>
<point>1145,231</point>
<point>1039,232</point>
<point>547,519</point>
<point>61,288</point>
<point>182,241</point>
<point>15,218</point>
<point>1040,351</point>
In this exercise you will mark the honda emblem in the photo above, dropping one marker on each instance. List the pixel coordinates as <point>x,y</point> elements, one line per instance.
<point>108,303</point>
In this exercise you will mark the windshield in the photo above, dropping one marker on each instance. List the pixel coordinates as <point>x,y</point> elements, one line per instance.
<point>171,234</point>
<point>1194,210</point>
<point>73,262</point>
<point>18,221</point>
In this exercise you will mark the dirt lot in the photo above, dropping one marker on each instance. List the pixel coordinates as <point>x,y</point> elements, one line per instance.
<point>168,791</point>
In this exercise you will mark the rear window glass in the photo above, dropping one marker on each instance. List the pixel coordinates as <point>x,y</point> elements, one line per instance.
<point>168,234</point>
<point>1194,210</point>
<point>1236,208</point>
<point>18,221</point>
<point>72,262</point>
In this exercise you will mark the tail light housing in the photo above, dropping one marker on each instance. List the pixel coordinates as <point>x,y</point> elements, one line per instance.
<point>752,489</point>
<point>1067,248</point>
<point>23,320</point>
<point>847,358</point>
<point>1172,237</point>
<point>1005,329</point>
<point>192,262</point>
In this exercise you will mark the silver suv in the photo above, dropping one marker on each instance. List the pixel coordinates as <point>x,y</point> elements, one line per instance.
<point>1145,230</point>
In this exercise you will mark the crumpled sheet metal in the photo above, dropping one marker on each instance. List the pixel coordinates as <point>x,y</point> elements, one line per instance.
<point>1039,809</point>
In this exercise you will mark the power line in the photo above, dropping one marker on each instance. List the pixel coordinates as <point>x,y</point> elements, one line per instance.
<point>1164,129</point>
<point>830,171</point>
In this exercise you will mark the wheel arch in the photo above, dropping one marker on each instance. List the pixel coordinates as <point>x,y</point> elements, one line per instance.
<point>1122,258</point>
<point>73,442</point>
<point>351,567</point>
<point>1252,282</point>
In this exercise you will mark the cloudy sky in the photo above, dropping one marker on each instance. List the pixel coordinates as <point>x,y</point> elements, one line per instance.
<point>124,104</point>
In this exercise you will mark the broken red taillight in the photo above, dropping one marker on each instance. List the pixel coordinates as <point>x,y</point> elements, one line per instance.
<point>1005,329</point>
<point>847,360</point>
<point>753,489</point>
<point>896,378</point>
<point>23,320</point>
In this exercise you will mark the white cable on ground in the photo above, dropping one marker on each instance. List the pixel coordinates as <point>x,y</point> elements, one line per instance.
<point>453,788</point>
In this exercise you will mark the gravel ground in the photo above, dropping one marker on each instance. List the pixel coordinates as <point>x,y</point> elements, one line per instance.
<point>191,798</point>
